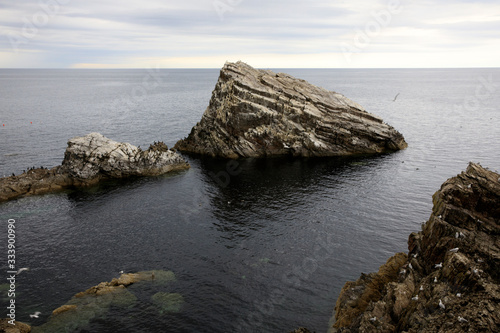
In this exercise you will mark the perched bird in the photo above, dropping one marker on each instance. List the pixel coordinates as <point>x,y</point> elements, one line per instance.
<point>459,295</point>
<point>435,279</point>
<point>415,298</point>
<point>421,288</point>
<point>455,250</point>
<point>476,271</point>
<point>456,234</point>
<point>414,255</point>
<point>440,265</point>
<point>120,272</point>
<point>403,271</point>
<point>373,319</point>
<point>480,260</point>
<point>441,305</point>
<point>461,234</point>
<point>20,270</point>
<point>462,320</point>
<point>440,216</point>
<point>35,315</point>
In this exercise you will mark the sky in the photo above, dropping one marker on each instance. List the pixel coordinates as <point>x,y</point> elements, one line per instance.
<point>262,33</point>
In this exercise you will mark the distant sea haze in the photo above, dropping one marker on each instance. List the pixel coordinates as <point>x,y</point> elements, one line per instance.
<point>244,251</point>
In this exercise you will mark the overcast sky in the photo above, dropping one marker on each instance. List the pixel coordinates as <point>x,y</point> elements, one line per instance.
<point>263,33</point>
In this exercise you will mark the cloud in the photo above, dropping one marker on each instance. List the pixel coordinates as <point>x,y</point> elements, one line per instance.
<point>303,34</point>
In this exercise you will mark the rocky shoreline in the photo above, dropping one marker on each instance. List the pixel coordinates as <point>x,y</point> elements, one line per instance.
<point>449,281</point>
<point>89,160</point>
<point>259,113</point>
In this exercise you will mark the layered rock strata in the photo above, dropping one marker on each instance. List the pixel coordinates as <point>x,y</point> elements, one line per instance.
<point>449,281</point>
<point>257,113</point>
<point>90,159</point>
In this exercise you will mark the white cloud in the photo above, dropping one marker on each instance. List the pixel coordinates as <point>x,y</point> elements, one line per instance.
<point>191,33</point>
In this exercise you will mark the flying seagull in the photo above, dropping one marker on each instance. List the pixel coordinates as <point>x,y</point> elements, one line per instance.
<point>20,270</point>
<point>35,315</point>
<point>395,97</point>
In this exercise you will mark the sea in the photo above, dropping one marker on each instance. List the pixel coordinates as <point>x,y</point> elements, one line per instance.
<point>263,245</point>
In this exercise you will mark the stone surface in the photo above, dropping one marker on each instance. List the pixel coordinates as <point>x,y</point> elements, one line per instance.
<point>256,113</point>
<point>19,327</point>
<point>90,159</point>
<point>406,296</point>
<point>94,156</point>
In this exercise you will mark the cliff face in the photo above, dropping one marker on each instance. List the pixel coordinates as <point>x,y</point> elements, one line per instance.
<point>449,281</point>
<point>256,113</point>
<point>88,160</point>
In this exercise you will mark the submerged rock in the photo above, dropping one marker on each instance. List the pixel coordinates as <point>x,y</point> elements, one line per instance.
<point>168,302</point>
<point>90,159</point>
<point>96,301</point>
<point>450,281</point>
<point>256,113</point>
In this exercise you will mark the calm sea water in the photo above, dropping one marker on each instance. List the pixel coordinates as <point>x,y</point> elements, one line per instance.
<point>265,250</point>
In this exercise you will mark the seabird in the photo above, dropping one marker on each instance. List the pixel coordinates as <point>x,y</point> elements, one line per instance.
<point>435,279</point>
<point>456,234</point>
<point>421,288</point>
<point>470,185</point>
<point>440,265</point>
<point>121,272</point>
<point>461,234</point>
<point>409,265</point>
<point>455,250</point>
<point>373,319</point>
<point>403,271</point>
<point>395,97</point>
<point>35,315</point>
<point>22,270</point>
<point>462,320</point>
<point>480,260</point>
<point>476,271</point>
<point>441,305</point>
<point>415,298</point>
<point>479,221</point>
<point>414,255</point>
<point>459,295</point>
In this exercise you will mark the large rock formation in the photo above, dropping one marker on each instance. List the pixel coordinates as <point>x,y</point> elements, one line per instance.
<point>449,282</point>
<point>256,113</point>
<point>90,159</point>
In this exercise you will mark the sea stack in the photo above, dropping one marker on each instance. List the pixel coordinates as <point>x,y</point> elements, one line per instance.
<point>413,293</point>
<point>258,113</point>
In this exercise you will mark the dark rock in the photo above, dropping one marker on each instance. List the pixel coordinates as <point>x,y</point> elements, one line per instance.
<point>256,113</point>
<point>461,296</point>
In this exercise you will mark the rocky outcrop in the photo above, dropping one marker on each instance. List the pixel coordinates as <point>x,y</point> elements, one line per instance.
<point>93,157</point>
<point>90,159</point>
<point>256,113</point>
<point>449,281</point>
<point>10,326</point>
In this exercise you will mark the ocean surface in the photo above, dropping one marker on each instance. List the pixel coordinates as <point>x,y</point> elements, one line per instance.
<point>265,250</point>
